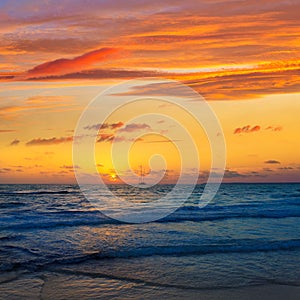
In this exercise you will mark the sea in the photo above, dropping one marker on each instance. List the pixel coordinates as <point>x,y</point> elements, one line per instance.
<point>245,244</point>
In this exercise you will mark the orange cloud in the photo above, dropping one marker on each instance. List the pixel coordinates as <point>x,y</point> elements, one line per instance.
<point>255,128</point>
<point>65,66</point>
<point>246,129</point>
<point>246,84</point>
<point>105,137</point>
<point>238,82</point>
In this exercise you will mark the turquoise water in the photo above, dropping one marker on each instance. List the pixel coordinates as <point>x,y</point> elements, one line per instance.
<point>55,245</point>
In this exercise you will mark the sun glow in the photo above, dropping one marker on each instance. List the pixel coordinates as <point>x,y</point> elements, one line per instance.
<point>113,177</point>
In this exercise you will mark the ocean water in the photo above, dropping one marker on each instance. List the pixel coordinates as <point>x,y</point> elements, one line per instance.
<point>245,244</point>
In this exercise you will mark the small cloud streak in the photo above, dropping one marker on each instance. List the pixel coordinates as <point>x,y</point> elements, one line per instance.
<point>233,174</point>
<point>135,127</point>
<point>50,141</point>
<point>105,137</point>
<point>249,129</point>
<point>6,130</point>
<point>69,167</point>
<point>273,128</point>
<point>110,137</point>
<point>162,141</point>
<point>98,126</point>
<point>5,170</point>
<point>286,168</point>
<point>108,131</point>
<point>272,161</point>
<point>246,129</point>
<point>15,142</point>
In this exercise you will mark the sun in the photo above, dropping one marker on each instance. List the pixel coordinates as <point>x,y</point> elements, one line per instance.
<point>113,177</point>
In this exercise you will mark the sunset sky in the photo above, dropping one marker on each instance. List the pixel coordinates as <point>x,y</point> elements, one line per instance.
<point>243,57</point>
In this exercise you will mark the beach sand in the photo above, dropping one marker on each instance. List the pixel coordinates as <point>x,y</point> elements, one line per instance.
<point>62,286</point>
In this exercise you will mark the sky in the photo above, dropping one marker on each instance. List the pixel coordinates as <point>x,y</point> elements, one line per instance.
<point>242,56</point>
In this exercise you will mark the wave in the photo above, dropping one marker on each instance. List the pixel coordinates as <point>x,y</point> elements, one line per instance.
<point>241,246</point>
<point>96,218</point>
<point>223,247</point>
<point>145,282</point>
<point>285,195</point>
<point>11,204</point>
<point>40,224</point>
<point>10,237</point>
<point>225,217</point>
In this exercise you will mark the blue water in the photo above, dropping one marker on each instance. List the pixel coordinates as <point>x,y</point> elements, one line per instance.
<point>55,245</point>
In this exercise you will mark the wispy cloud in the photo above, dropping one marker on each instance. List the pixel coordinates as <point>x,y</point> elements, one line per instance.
<point>233,52</point>
<point>98,126</point>
<point>111,137</point>
<point>6,130</point>
<point>41,102</point>
<point>113,73</point>
<point>49,141</point>
<point>69,168</point>
<point>105,137</point>
<point>228,84</point>
<point>272,161</point>
<point>15,142</point>
<point>5,170</point>
<point>135,127</point>
<point>233,174</point>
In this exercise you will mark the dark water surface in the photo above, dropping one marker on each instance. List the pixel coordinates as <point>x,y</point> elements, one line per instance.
<point>55,245</point>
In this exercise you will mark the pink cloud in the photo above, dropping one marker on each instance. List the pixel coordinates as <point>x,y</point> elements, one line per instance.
<point>64,66</point>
